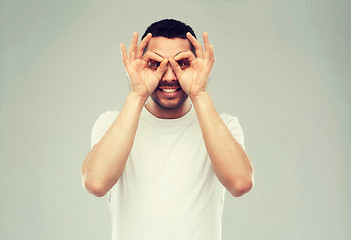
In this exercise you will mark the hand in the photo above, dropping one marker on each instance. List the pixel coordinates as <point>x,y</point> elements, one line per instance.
<point>193,72</point>
<point>143,76</point>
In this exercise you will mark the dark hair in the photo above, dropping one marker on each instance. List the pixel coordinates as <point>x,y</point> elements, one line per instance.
<point>170,28</point>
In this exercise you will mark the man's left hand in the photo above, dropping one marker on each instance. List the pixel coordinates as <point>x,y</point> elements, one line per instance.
<point>193,72</point>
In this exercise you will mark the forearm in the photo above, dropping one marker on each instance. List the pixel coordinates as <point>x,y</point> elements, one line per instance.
<point>106,161</point>
<point>230,162</point>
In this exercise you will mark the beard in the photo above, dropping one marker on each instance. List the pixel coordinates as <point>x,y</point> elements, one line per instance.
<point>169,103</point>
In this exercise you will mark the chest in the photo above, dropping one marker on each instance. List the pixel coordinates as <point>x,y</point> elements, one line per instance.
<point>160,159</point>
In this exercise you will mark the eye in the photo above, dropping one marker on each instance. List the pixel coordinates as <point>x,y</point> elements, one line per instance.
<point>183,64</point>
<point>153,65</point>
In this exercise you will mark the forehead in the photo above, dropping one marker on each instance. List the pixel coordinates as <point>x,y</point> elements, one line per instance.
<point>167,47</point>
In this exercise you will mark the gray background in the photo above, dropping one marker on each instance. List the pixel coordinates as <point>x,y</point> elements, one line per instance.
<point>282,67</point>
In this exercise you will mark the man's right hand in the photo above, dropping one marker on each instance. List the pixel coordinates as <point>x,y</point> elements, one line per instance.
<point>144,71</point>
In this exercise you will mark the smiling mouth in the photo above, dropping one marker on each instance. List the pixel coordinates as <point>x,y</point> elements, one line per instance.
<point>169,90</point>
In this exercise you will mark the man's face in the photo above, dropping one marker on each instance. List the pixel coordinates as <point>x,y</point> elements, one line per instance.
<point>168,94</point>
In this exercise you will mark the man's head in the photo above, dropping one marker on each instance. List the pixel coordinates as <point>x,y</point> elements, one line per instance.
<point>170,28</point>
<point>168,40</point>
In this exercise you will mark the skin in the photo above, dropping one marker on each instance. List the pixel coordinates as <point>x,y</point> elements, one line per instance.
<point>165,106</point>
<point>167,64</point>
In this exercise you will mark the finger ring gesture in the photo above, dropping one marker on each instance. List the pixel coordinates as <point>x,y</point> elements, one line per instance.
<point>193,71</point>
<point>143,79</point>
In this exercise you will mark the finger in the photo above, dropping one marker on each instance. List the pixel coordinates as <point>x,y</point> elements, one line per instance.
<point>185,55</point>
<point>196,44</point>
<point>206,44</point>
<point>124,53</point>
<point>133,45</point>
<point>162,68</point>
<point>211,56</point>
<point>176,69</point>
<point>142,45</point>
<point>152,56</point>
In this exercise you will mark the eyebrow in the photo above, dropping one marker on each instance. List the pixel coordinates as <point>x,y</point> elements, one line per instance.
<point>173,56</point>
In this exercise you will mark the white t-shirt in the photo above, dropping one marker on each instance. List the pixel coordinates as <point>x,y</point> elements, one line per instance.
<point>168,189</point>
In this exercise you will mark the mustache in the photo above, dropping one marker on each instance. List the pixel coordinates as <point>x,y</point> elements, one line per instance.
<point>174,84</point>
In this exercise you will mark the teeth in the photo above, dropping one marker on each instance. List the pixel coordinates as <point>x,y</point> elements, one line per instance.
<point>169,90</point>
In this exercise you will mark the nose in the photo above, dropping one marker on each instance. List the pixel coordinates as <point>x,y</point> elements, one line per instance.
<point>169,75</point>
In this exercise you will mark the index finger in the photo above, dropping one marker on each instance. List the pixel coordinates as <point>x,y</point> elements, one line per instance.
<point>152,56</point>
<point>185,55</point>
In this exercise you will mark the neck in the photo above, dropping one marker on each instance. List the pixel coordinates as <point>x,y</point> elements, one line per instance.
<point>158,112</point>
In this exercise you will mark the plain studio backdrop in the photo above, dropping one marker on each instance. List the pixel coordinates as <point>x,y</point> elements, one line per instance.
<point>282,67</point>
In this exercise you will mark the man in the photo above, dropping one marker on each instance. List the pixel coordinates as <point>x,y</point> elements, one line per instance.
<point>165,164</point>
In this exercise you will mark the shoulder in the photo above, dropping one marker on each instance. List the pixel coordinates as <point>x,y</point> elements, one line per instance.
<point>227,118</point>
<point>234,127</point>
<point>106,119</point>
<point>109,114</point>
<point>102,124</point>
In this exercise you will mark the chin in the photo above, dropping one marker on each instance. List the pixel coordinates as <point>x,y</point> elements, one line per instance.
<point>169,104</point>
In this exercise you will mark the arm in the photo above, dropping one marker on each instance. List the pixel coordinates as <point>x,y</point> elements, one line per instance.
<point>230,162</point>
<point>105,163</point>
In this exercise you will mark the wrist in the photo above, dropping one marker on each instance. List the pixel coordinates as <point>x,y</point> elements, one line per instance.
<point>202,101</point>
<point>135,97</point>
<point>199,96</point>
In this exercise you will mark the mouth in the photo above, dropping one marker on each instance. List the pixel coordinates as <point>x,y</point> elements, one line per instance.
<point>169,91</point>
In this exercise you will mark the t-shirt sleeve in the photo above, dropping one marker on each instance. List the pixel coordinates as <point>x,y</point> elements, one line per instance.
<point>101,126</point>
<point>234,127</point>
